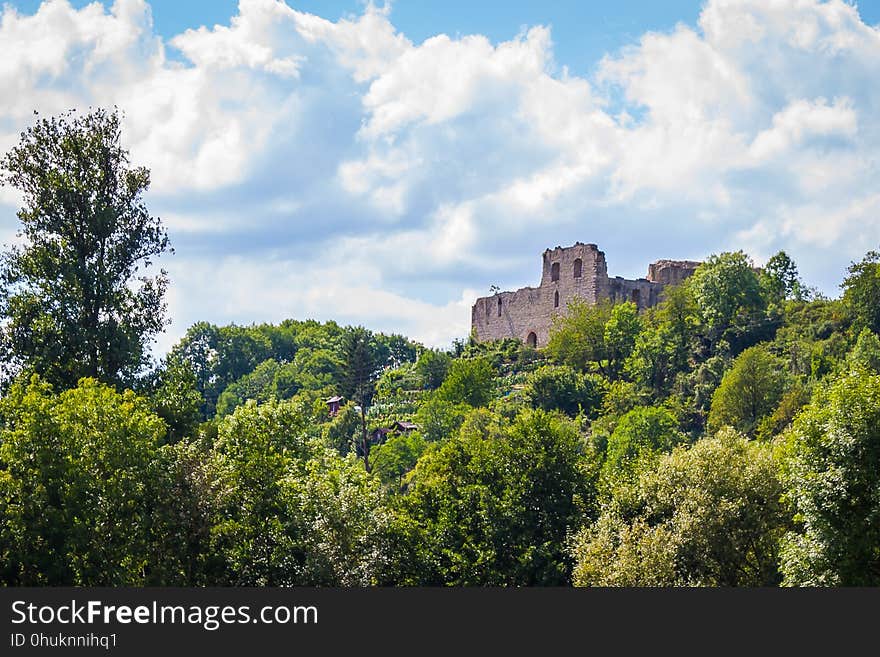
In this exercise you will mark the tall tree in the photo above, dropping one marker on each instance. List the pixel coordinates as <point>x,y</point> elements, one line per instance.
<point>861,291</point>
<point>749,391</point>
<point>832,479</point>
<point>706,515</point>
<point>74,302</point>
<point>780,278</point>
<point>725,286</point>
<point>360,371</point>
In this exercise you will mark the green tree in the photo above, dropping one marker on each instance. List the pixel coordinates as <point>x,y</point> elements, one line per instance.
<point>562,388</point>
<point>780,278</point>
<point>254,534</point>
<point>831,470</point>
<point>749,391</point>
<point>619,336</point>
<point>866,352</point>
<point>360,371</point>
<point>75,496</point>
<point>667,343</point>
<point>292,512</point>
<point>74,294</point>
<point>397,456</point>
<point>577,338</point>
<point>439,419</point>
<point>432,366</point>
<point>643,430</point>
<point>725,286</point>
<point>343,431</point>
<point>707,515</point>
<point>183,490</point>
<point>493,505</point>
<point>339,513</point>
<point>176,399</point>
<point>861,291</point>
<point>600,336</point>
<point>470,381</point>
<point>257,385</point>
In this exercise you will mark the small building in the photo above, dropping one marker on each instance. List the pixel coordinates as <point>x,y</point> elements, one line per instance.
<point>333,405</point>
<point>404,427</point>
<point>379,435</point>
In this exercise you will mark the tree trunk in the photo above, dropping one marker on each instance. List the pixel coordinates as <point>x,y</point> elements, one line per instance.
<point>365,442</point>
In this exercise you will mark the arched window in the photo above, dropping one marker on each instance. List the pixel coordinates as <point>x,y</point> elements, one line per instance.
<point>532,340</point>
<point>499,306</point>
<point>578,268</point>
<point>556,299</point>
<point>554,271</point>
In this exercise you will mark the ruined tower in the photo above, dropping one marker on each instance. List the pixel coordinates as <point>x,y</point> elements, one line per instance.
<point>577,271</point>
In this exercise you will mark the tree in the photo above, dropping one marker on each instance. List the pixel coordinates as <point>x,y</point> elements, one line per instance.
<point>749,391</point>
<point>724,286</point>
<point>831,471</point>
<point>292,512</point>
<point>75,477</point>
<point>562,388</point>
<point>861,291</point>
<point>470,381</point>
<point>493,505</point>
<point>439,419</point>
<point>577,338</point>
<point>666,344</point>
<point>74,294</point>
<point>257,385</point>
<point>360,371</point>
<point>176,399</point>
<point>706,515</point>
<point>621,330</point>
<point>780,278</point>
<point>253,535</point>
<point>432,366</point>
<point>643,430</point>
<point>397,456</point>
<point>866,352</point>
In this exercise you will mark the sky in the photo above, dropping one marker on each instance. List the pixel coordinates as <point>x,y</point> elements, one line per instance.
<point>385,164</point>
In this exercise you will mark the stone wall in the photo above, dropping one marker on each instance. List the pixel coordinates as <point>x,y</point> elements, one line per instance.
<point>575,271</point>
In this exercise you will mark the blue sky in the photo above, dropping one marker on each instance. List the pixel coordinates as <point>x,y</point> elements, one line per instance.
<point>386,165</point>
<point>582,31</point>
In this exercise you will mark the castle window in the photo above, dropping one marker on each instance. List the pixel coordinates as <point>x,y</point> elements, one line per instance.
<point>556,299</point>
<point>554,271</point>
<point>578,268</point>
<point>532,340</point>
<point>635,297</point>
<point>499,306</point>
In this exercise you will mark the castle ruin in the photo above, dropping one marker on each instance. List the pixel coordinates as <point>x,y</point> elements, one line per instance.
<point>577,271</point>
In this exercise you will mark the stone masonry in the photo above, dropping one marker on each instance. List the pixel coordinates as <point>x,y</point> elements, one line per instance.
<point>575,271</point>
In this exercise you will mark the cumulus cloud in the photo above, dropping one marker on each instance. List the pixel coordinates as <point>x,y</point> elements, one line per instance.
<point>336,169</point>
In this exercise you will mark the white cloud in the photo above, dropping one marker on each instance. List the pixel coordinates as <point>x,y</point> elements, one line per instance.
<point>337,169</point>
<point>801,120</point>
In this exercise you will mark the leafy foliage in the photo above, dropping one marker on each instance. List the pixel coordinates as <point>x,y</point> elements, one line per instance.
<point>861,291</point>
<point>706,515</point>
<point>73,294</point>
<point>749,391</point>
<point>492,505</point>
<point>832,475</point>
<point>562,388</point>
<point>74,492</point>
